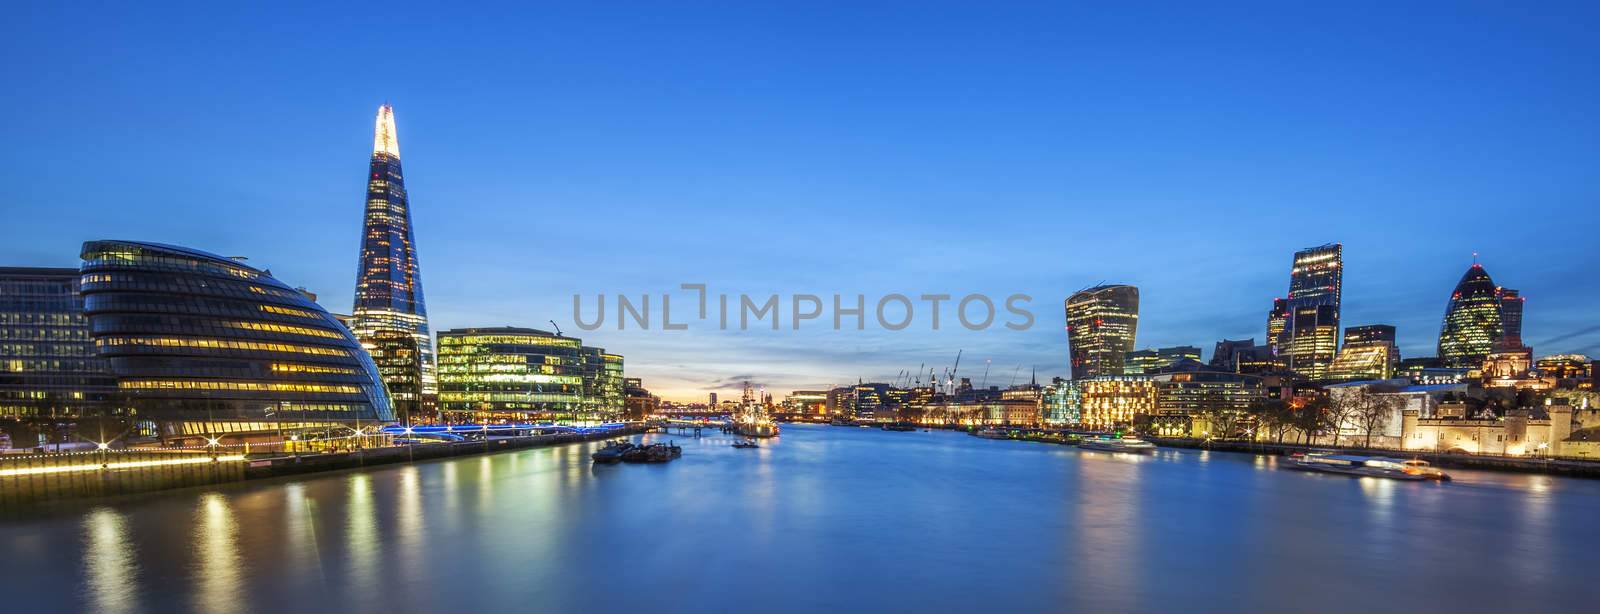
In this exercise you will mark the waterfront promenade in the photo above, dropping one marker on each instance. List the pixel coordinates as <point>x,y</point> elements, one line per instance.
<point>30,480</point>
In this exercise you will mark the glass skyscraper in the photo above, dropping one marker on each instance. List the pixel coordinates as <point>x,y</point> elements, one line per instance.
<point>1101,324</point>
<point>1511,318</point>
<point>47,361</point>
<point>389,280</point>
<point>1310,337</point>
<point>1472,321</point>
<point>204,345</point>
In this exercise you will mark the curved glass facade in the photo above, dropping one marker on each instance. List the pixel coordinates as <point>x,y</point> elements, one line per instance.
<point>1101,324</point>
<point>1472,321</point>
<point>196,338</point>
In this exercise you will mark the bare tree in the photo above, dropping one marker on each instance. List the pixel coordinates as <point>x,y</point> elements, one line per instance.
<point>1312,418</point>
<point>1273,415</point>
<point>1370,412</point>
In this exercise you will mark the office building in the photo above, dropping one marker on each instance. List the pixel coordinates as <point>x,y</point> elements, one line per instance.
<point>1369,353</point>
<point>1112,401</point>
<point>525,374</point>
<point>1472,321</point>
<point>1101,324</point>
<point>1310,337</point>
<point>48,366</point>
<point>1511,303</point>
<point>388,294</point>
<point>1147,361</point>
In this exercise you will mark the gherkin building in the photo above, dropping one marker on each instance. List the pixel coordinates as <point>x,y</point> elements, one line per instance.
<point>1472,321</point>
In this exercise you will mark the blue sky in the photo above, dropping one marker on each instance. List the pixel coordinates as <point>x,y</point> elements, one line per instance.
<point>824,148</point>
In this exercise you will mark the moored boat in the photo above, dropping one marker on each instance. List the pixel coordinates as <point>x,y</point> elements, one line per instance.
<point>991,433</point>
<point>612,452</point>
<point>900,426</point>
<point>1118,444</point>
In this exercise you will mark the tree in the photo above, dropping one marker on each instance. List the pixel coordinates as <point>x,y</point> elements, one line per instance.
<point>1342,409</point>
<point>1273,415</point>
<point>1369,411</point>
<point>1312,418</point>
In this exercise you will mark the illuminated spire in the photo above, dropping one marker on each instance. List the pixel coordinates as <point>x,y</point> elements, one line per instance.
<point>384,137</point>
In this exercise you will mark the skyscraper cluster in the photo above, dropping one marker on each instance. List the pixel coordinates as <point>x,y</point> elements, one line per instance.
<point>180,342</point>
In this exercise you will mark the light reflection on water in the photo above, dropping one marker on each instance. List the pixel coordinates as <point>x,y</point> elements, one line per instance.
<point>823,518</point>
<point>217,566</point>
<point>109,563</point>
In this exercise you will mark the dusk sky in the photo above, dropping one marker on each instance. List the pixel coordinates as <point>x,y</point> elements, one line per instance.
<point>833,148</point>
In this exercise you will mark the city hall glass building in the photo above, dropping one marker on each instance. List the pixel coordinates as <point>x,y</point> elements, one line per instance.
<point>202,344</point>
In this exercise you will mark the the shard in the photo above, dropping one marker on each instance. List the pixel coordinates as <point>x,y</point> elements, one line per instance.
<point>388,301</point>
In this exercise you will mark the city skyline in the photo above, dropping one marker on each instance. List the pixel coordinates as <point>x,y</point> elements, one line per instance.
<point>524,201</point>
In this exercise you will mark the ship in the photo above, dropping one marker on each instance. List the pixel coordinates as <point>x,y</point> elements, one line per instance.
<point>1367,466</point>
<point>612,453</point>
<point>1118,444</point>
<point>751,419</point>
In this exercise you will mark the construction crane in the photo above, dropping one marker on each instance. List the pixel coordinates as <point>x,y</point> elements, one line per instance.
<point>984,383</point>
<point>950,382</point>
<point>558,328</point>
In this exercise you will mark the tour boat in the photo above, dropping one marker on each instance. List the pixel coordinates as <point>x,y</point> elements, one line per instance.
<point>1367,466</point>
<point>1115,444</point>
<point>991,433</point>
<point>899,426</point>
<point>745,444</point>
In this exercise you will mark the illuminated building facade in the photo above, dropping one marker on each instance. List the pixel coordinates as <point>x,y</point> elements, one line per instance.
<point>1511,302</point>
<point>1369,353</point>
<point>639,403</point>
<point>1277,325</point>
<point>1101,324</point>
<point>399,363</point>
<point>1191,390</point>
<point>807,402</point>
<point>1310,337</point>
<point>1565,366</point>
<point>204,345</point>
<point>1472,323</point>
<point>47,361</point>
<point>508,373</point>
<point>1147,361</point>
<point>1111,401</point>
<point>1062,402</point>
<point>389,281</point>
<point>604,396</point>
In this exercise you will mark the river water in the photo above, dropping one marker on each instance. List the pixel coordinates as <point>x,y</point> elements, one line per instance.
<point>823,518</point>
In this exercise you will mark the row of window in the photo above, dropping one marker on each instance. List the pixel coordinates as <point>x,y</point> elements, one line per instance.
<point>149,384</point>
<point>141,281</point>
<point>178,342</point>
<point>123,258</point>
<point>289,367</point>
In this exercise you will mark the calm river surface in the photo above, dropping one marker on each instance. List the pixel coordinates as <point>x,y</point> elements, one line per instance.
<point>824,518</point>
